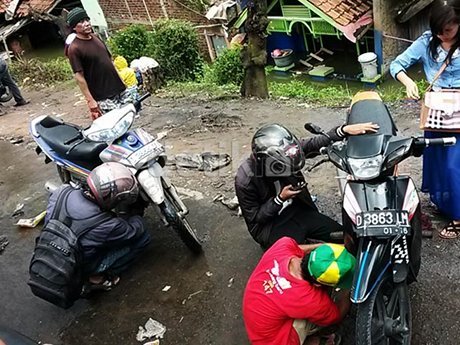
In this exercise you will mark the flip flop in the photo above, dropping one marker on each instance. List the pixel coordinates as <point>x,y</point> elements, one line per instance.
<point>106,285</point>
<point>452,228</point>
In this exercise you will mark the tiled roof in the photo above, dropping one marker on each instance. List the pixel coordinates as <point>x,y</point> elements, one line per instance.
<point>343,12</point>
<point>24,8</point>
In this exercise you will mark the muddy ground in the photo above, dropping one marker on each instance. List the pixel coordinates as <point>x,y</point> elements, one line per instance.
<point>204,302</point>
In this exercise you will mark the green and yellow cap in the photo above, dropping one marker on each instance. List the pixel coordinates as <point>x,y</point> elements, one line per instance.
<point>331,264</point>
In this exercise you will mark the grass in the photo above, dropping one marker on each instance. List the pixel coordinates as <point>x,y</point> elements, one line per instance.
<point>203,90</point>
<point>37,73</point>
<point>34,72</point>
<point>304,91</point>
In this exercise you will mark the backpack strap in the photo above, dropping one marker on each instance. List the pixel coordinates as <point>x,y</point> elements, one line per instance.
<point>59,212</point>
<point>81,226</point>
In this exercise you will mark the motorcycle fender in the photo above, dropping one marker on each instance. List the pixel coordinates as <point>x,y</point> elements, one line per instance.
<point>151,184</point>
<point>372,262</point>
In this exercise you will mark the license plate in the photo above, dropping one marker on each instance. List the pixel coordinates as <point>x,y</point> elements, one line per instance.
<point>382,223</point>
<point>149,151</point>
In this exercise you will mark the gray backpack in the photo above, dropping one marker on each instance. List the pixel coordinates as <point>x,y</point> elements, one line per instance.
<point>55,270</point>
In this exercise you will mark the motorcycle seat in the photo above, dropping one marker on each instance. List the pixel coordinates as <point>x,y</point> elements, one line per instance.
<point>372,110</point>
<point>56,133</point>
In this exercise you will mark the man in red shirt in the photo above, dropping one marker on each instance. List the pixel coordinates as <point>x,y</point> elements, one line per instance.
<point>286,300</point>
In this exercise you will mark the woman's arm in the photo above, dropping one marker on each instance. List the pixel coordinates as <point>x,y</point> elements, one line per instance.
<point>410,56</point>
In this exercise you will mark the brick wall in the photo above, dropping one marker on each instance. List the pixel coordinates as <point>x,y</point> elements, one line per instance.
<point>120,13</point>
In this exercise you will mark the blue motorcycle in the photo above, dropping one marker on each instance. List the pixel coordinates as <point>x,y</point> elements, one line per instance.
<point>76,151</point>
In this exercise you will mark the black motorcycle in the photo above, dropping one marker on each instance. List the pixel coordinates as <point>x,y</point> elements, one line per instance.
<point>381,216</point>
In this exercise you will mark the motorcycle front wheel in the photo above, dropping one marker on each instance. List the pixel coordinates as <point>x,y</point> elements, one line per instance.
<point>385,317</point>
<point>187,234</point>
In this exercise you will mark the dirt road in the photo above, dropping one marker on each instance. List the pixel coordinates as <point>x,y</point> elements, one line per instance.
<point>204,302</point>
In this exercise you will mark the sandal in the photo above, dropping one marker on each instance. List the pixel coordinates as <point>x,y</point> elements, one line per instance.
<point>450,232</point>
<point>105,285</point>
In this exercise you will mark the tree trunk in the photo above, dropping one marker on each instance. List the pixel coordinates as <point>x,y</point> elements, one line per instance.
<point>254,54</point>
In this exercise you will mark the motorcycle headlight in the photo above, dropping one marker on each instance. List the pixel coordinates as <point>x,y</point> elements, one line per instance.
<point>110,134</point>
<point>366,168</point>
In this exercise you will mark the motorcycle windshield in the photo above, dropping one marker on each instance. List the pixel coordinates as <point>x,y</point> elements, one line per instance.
<point>365,146</point>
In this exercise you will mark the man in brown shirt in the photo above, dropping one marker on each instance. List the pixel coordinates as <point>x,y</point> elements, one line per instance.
<point>92,64</point>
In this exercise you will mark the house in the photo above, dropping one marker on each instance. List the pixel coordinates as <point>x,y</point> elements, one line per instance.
<point>33,23</point>
<point>119,13</point>
<point>26,24</point>
<point>347,27</point>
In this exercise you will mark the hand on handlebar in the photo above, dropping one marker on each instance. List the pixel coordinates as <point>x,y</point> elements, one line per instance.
<point>361,128</point>
<point>288,193</point>
<point>94,109</point>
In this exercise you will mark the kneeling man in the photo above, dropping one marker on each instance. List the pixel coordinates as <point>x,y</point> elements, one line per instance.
<point>288,296</point>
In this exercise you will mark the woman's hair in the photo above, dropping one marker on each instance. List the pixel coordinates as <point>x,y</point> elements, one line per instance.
<point>443,12</point>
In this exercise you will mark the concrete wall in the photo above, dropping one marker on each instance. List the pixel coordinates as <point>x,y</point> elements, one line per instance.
<point>386,48</point>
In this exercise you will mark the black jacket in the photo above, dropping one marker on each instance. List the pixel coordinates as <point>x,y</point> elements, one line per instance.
<point>256,194</point>
<point>111,234</point>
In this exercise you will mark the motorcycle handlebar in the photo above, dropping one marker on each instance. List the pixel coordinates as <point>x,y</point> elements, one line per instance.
<point>317,164</point>
<point>138,102</point>
<point>447,141</point>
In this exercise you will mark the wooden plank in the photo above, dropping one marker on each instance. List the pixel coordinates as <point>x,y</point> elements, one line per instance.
<point>320,59</point>
<point>412,9</point>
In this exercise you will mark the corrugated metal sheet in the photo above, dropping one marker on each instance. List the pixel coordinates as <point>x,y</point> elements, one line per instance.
<point>419,23</point>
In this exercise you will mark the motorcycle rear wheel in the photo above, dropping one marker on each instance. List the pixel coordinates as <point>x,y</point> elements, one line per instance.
<point>385,318</point>
<point>187,234</point>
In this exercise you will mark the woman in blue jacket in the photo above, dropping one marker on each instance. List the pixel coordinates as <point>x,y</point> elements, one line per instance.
<point>441,165</point>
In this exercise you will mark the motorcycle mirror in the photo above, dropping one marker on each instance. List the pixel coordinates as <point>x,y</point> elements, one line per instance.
<point>313,128</point>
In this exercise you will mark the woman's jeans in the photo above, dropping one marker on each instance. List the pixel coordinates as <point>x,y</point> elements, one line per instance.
<point>117,260</point>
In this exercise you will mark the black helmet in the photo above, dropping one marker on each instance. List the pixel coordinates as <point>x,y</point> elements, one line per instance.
<point>277,150</point>
<point>112,183</point>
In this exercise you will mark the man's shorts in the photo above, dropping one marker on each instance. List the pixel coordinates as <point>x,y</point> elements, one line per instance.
<point>116,102</point>
<point>304,329</point>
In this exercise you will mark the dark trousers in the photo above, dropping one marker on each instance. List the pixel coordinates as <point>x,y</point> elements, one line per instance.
<point>117,260</point>
<point>303,223</point>
<point>6,80</point>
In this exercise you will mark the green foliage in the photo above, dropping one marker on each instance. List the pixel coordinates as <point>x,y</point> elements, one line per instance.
<point>269,69</point>
<point>130,42</point>
<point>326,95</point>
<point>197,5</point>
<point>174,45</point>
<point>227,69</point>
<point>395,93</point>
<point>35,71</point>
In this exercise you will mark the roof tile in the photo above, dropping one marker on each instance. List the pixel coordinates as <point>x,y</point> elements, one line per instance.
<point>25,6</point>
<point>343,12</point>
